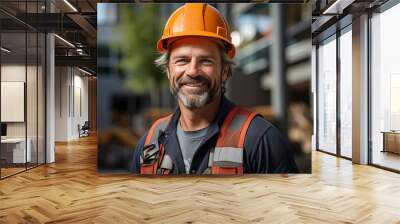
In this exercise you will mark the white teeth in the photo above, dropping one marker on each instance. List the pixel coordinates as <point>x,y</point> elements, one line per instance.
<point>194,84</point>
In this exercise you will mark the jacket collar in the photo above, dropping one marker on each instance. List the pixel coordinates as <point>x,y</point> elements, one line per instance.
<point>224,108</point>
<point>172,144</point>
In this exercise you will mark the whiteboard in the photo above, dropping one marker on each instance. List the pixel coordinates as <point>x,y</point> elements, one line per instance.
<point>12,101</point>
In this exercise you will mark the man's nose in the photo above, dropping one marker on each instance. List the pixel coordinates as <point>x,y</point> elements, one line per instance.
<point>193,69</point>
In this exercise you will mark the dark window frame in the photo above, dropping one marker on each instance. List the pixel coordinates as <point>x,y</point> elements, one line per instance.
<point>340,28</point>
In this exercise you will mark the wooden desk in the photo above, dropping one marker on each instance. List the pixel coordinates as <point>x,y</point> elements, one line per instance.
<point>13,150</point>
<point>391,141</point>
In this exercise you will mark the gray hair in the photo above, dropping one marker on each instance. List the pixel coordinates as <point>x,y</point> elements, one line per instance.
<point>163,60</point>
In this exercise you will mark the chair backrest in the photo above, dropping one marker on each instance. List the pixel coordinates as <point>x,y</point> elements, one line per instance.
<point>86,125</point>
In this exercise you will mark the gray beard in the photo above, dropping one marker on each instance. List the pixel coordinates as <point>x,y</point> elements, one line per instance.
<point>195,102</point>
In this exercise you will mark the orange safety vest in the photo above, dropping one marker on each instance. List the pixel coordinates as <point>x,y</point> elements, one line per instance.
<point>225,158</point>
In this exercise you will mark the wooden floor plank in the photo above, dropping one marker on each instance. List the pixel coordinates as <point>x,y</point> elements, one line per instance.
<point>71,191</point>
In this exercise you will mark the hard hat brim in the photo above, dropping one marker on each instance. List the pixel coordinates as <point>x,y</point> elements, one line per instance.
<point>162,44</point>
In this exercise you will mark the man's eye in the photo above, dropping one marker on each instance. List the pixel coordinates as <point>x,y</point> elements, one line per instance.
<point>207,61</point>
<point>181,61</point>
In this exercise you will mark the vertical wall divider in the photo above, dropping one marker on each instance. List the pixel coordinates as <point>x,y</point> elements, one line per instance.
<point>73,93</point>
<point>45,93</point>
<point>316,97</point>
<point>1,166</point>
<point>26,86</point>
<point>69,91</point>
<point>60,76</point>
<point>369,78</point>
<point>338,100</point>
<point>80,102</point>
<point>37,89</point>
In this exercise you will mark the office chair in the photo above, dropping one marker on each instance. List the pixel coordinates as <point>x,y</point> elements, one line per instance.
<point>84,130</point>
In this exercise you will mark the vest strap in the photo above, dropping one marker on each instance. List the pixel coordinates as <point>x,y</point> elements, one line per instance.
<point>153,152</point>
<point>227,157</point>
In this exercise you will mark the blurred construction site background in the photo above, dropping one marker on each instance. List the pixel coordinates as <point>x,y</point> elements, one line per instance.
<point>272,76</point>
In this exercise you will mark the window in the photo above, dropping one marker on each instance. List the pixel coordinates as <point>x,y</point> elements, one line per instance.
<point>327,96</point>
<point>385,88</point>
<point>346,92</point>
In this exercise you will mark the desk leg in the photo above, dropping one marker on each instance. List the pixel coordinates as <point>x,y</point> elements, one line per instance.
<point>384,142</point>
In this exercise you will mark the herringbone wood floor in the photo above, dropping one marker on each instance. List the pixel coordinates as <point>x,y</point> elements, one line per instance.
<point>71,191</point>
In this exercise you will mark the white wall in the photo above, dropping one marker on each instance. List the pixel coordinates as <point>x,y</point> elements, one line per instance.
<point>62,81</point>
<point>33,125</point>
<point>81,104</point>
<point>71,93</point>
<point>12,73</point>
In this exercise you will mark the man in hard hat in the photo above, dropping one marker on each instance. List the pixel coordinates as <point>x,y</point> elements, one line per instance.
<point>207,134</point>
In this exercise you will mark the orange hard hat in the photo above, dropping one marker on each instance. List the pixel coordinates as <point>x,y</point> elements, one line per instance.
<point>196,19</point>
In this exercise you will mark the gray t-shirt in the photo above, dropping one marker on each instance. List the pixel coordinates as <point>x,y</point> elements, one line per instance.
<point>189,141</point>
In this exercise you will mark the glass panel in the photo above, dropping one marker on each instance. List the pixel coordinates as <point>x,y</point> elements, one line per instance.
<point>13,87</point>
<point>327,96</point>
<point>31,85</point>
<point>22,67</point>
<point>385,84</point>
<point>41,98</point>
<point>31,97</point>
<point>345,94</point>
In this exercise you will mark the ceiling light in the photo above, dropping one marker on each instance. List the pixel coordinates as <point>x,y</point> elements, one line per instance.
<point>65,41</point>
<point>5,49</point>
<point>337,7</point>
<point>84,71</point>
<point>70,5</point>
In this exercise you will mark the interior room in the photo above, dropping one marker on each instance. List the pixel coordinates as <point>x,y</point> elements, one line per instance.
<point>385,87</point>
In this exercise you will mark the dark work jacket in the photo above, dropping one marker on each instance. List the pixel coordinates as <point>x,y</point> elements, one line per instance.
<point>265,148</point>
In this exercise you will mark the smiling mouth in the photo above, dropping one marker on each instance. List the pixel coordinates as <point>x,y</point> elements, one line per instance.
<point>194,84</point>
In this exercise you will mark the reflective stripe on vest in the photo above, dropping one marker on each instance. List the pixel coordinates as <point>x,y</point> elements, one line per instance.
<point>152,139</point>
<point>225,158</point>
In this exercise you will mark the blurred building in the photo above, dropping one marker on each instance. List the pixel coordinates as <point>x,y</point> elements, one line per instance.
<point>273,72</point>
<point>253,32</point>
<point>254,84</point>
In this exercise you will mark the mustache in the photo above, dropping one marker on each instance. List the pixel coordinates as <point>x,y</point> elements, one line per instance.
<point>184,80</point>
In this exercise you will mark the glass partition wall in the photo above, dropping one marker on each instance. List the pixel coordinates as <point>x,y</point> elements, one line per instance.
<point>334,93</point>
<point>345,82</point>
<point>385,89</point>
<point>22,88</point>
<point>334,87</point>
<point>13,109</point>
<point>326,59</point>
